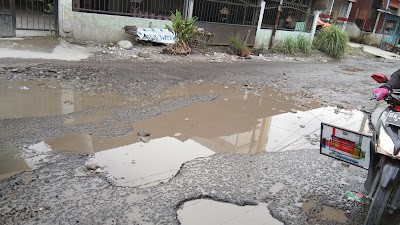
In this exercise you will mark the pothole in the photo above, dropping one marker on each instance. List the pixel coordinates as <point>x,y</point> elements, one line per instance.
<point>327,212</point>
<point>144,165</point>
<point>206,211</point>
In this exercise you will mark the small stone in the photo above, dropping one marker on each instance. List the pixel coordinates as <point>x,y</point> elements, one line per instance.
<point>345,164</point>
<point>186,118</point>
<point>324,61</point>
<point>207,55</point>
<point>111,53</point>
<point>226,99</point>
<point>134,56</point>
<point>143,133</point>
<point>92,167</point>
<point>145,55</point>
<point>125,44</point>
<point>226,87</point>
<point>260,55</point>
<point>98,170</point>
<point>104,52</point>
<point>302,126</point>
<point>68,102</point>
<point>24,88</point>
<point>144,139</point>
<point>51,87</point>
<point>177,134</point>
<point>293,110</point>
<point>14,70</point>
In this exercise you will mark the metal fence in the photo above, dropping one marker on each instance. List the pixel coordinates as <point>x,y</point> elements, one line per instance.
<point>7,18</point>
<point>36,14</point>
<point>294,17</point>
<point>241,12</point>
<point>149,9</point>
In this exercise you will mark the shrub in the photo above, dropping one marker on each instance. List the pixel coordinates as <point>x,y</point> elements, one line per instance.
<point>332,41</point>
<point>237,46</point>
<point>183,30</point>
<point>304,44</point>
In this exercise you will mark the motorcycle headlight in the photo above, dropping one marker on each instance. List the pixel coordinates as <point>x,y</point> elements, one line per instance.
<point>385,143</point>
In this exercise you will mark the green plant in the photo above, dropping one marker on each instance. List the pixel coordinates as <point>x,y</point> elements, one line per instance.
<point>50,9</point>
<point>237,46</point>
<point>304,44</point>
<point>288,45</point>
<point>332,41</point>
<point>361,48</point>
<point>183,30</point>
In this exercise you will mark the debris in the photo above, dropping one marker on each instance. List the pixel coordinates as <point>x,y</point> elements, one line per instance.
<point>68,102</point>
<point>354,197</point>
<point>177,134</point>
<point>145,139</point>
<point>293,110</point>
<point>145,55</point>
<point>92,167</point>
<point>163,36</point>
<point>24,88</point>
<point>186,118</point>
<point>345,164</point>
<point>226,99</point>
<point>302,126</point>
<point>143,134</point>
<point>98,170</point>
<point>125,44</point>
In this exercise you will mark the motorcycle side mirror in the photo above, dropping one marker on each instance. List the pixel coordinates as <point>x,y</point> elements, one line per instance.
<point>380,78</point>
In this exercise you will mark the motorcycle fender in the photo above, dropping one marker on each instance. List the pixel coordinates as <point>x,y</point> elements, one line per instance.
<point>390,174</point>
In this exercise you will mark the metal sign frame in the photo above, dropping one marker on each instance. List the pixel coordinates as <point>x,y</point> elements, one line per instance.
<point>345,145</point>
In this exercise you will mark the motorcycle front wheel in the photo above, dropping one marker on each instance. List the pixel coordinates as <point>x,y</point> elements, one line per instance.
<point>378,206</point>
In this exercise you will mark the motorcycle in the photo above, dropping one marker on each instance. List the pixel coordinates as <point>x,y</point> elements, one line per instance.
<point>382,183</point>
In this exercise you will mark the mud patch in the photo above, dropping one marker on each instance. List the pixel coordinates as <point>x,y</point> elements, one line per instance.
<point>327,212</point>
<point>348,69</point>
<point>206,211</point>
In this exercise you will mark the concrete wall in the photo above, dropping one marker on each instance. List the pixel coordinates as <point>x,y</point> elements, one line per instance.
<point>367,38</point>
<point>98,27</point>
<point>353,31</point>
<point>264,36</point>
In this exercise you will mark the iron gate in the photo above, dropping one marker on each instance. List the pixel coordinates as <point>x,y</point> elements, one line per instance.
<point>228,18</point>
<point>36,14</point>
<point>7,18</point>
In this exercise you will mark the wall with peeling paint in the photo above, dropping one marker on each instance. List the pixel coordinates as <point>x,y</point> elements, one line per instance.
<point>98,27</point>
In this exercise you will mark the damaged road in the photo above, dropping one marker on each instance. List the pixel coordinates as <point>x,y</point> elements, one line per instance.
<point>215,109</point>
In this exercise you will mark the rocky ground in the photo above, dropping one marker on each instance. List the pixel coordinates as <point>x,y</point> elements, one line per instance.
<point>56,193</point>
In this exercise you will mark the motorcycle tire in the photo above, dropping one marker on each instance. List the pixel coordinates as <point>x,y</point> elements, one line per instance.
<point>378,206</point>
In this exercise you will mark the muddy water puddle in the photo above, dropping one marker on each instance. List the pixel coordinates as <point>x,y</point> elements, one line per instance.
<point>327,212</point>
<point>241,120</point>
<point>49,98</point>
<point>206,211</point>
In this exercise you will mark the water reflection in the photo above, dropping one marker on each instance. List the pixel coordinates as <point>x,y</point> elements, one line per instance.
<point>48,98</point>
<point>144,165</point>
<point>288,131</point>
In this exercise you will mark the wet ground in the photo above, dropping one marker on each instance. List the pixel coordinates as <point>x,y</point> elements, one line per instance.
<point>150,143</point>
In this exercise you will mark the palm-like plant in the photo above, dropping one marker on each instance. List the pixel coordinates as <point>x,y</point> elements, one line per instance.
<point>183,30</point>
